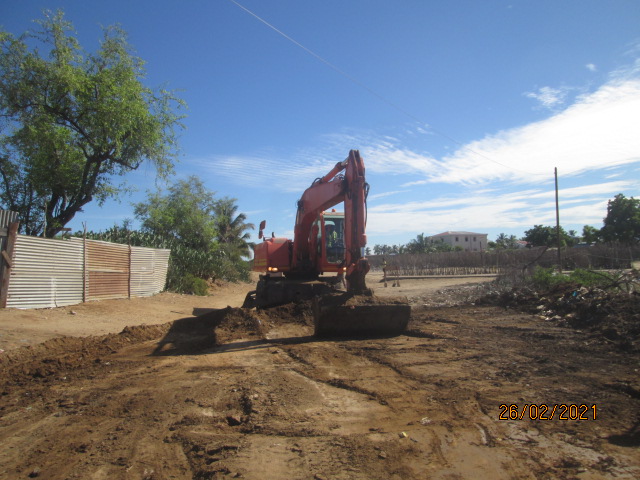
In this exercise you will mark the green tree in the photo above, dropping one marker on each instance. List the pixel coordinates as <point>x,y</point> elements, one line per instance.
<point>622,223</point>
<point>206,236</point>
<point>73,121</point>
<point>420,244</point>
<point>186,213</point>
<point>397,249</point>
<point>590,234</point>
<point>424,244</point>
<point>506,242</point>
<point>541,236</point>
<point>231,229</point>
<point>381,249</point>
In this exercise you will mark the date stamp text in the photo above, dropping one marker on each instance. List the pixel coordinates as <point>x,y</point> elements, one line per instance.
<point>543,411</point>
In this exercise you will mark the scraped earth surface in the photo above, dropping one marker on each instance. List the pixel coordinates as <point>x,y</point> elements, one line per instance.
<point>236,393</point>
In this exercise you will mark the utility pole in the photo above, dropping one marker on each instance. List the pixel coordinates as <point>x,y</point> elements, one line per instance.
<point>555,172</point>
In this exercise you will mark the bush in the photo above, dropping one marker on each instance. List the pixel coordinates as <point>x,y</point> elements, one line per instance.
<point>588,278</point>
<point>545,278</point>
<point>194,285</point>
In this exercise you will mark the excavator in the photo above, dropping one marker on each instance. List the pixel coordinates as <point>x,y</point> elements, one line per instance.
<point>325,242</point>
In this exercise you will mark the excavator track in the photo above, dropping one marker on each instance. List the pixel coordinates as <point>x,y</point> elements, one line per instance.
<point>272,292</point>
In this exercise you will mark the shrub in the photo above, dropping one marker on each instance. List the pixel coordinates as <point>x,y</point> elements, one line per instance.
<point>545,278</point>
<point>588,278</point>
<point>194,285</point>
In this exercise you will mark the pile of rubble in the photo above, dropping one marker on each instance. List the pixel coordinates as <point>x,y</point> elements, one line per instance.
<point>612,315</point>
<point>453,296</point>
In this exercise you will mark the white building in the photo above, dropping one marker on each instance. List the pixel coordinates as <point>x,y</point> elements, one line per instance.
<point>469,241</point>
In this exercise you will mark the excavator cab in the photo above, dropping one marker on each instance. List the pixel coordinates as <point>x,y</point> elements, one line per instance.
<point>330,241</point>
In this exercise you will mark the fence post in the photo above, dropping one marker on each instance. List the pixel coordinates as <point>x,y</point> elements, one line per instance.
<point>129,275</point>
<point>555,172</point>
<point>84,264</point>
<point>7,258</point>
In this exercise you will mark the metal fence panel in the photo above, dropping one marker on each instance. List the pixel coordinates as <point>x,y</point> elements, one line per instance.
<point>108,270</point>
<point>45,273</point>
<point>148,270</point>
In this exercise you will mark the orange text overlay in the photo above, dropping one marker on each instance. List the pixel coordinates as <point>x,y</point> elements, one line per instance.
<point>543,411</point>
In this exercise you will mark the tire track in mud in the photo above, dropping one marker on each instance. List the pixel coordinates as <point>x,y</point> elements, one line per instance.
<point>278,436</point>
<point>368,444</point>
<point>315,373</point>
<point>407,402</point>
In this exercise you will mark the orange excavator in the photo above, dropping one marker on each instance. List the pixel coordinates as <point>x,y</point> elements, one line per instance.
<point>326,241</point>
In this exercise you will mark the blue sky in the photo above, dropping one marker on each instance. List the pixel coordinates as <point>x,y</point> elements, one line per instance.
<point>461,109</point>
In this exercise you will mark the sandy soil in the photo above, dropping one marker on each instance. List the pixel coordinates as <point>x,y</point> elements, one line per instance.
<point>29,327</point>
<point>236,393</point>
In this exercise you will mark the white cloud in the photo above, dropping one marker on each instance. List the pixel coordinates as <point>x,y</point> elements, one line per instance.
<point>549,97</point>
<point>599,129</point>
<point>591,67</point>
<point>513,210</point>
<point>383,194</point>
<point>385,157</point>
<point>267,171</point>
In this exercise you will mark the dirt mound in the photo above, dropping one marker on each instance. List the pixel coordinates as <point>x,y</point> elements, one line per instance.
<point>191,336</point>
<point>613,316</point>
<point>366,315</point>
<point>187,336</point>
<point>298,312</point>
<point>67,354</point>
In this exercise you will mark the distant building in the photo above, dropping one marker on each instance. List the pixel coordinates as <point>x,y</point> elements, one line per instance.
<point>469,241</point>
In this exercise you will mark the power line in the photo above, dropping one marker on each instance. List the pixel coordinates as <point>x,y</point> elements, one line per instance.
<point>370,90</point>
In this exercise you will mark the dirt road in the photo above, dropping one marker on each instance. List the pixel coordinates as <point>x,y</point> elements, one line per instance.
<point>242,394</point>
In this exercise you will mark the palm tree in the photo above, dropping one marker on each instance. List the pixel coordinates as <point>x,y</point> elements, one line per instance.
<point>506,241</point>
<point>231,228</point>
<point>420,244</point>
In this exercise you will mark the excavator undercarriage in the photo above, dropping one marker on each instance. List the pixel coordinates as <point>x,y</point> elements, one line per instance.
<point>278,291</point>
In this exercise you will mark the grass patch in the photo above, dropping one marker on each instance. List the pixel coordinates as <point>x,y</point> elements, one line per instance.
<point>546,278</point>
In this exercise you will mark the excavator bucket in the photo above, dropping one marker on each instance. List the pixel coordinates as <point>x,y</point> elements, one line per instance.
<point>344,314</point>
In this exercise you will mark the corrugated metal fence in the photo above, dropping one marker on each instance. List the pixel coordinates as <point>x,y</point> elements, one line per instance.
<point>52,273</point>
<point>45,273</point>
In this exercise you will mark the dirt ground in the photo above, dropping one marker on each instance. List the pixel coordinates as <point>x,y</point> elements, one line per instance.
<point>195,388</point>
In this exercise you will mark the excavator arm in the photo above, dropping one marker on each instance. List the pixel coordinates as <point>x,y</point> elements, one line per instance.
<point>344,183</point>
